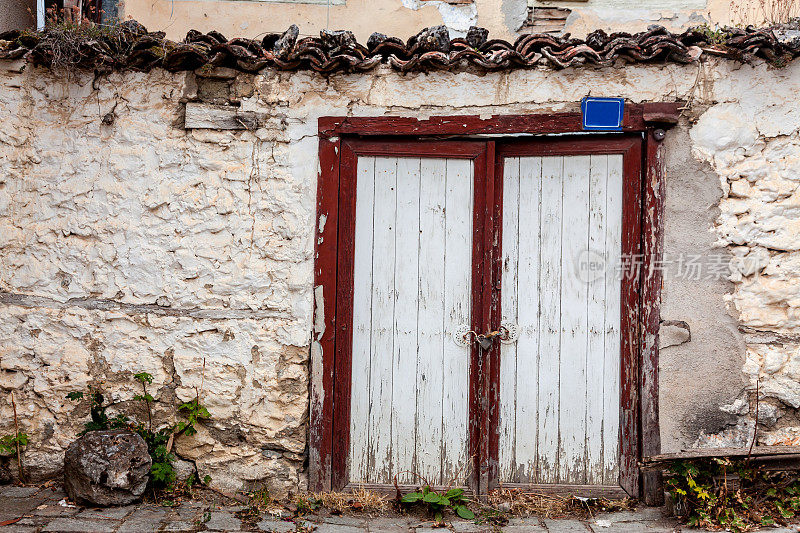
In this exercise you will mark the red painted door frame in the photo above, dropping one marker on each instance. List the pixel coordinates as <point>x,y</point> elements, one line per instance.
<point>630,147</point>
<point>337,153</point>
<point>351,149</point>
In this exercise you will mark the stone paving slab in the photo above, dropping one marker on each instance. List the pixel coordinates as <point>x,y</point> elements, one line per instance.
<point>143,520</point>
<point>53,509</point>
<point>11,508</point>
<point>276,526</point>
<point>79,525</point>
<point>40,512</point>
<point>346,521</point>
<point>565,526</point>
<point>222,521</point>
<point>16,528</point>
<point>634,527</point>
<point>645,514</point>
<point>338,528</point>
<point>389,525</point>
<point>18,492</point>
<point>469,527</point>
<point>181,525</point>
<point>113,513</point>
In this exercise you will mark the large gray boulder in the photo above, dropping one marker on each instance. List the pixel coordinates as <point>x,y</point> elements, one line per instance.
<point>107,468</point>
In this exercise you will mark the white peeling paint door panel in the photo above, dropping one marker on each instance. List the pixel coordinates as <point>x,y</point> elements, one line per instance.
<point>412,290</point>
<point>559,383</point>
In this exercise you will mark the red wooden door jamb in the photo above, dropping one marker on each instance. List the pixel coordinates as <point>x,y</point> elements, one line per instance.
<point>646,119</point>
<point>630,146</point>
<point>349,151</point>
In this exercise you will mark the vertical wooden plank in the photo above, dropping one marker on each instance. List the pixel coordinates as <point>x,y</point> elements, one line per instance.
<point>483,221</point>
<point>630,326</point>
<point>596,314</point>
<point>457,301</point>
<point>528,290</point>
<point>40,15</point>
<point>572,385</point>
<point>362,320</point>
<point>550,333</point>
<point>489,366</point>
<point>507,470</point>
<point>406,274</point>
<point>653,245</point>
<point>611,329</point>
<point>325,286</point>
<point>340,438</point>
<point>383,299</point>
<point>431,319</point>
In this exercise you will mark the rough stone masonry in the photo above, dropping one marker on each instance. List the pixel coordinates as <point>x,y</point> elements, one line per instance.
<point>129,243</point>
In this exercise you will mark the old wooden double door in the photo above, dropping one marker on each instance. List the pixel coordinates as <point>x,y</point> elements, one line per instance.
<point>446,243</point>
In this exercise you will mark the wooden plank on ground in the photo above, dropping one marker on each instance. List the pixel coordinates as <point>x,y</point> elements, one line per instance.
<point>703,453</point>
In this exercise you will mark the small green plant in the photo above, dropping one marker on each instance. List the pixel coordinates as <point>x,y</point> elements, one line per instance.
<point>257,501</point>
<point>732,494</point>
<point>159,441</point>
<point>194,412</point>
<point>8,443</point>
<point>438,502</point>
<point>714,34</point>
<point>14,443</point>
<point>308,505</point>
<point>97,411</point>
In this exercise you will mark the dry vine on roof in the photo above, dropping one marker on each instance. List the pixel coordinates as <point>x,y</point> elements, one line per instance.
<point>128,45</point>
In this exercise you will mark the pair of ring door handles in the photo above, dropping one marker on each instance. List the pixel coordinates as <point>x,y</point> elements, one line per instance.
<point>507,333</point>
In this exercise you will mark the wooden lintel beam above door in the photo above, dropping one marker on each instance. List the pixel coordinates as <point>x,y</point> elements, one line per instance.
<point>638,117</point>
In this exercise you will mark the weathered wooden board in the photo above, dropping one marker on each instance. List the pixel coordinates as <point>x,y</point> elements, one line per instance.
<point>559,384</point>
<point>412,291</point>
<point>219,117</point>
<point>406,268</point>
<point>660,460</point>
<point>362,320</point>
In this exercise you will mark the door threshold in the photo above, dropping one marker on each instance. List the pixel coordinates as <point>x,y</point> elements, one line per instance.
<point>583,491</point>
<point>382,488</point>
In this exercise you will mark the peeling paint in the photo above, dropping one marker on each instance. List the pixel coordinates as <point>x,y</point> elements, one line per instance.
<point>319,312</point>
<point>457,17</point>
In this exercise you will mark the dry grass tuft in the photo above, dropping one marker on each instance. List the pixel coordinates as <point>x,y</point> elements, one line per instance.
<point>521,503</point>
<point>764,12</point>
<point>360,500</point>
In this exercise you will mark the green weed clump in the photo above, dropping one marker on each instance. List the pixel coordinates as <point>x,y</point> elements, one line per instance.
<point>159,440</point>
<point>733,494</point>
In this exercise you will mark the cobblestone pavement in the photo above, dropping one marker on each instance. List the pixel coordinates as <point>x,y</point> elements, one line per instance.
<point>37,510</point>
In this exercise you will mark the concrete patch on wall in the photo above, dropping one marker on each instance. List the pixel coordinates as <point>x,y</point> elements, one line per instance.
<point>515,13</point>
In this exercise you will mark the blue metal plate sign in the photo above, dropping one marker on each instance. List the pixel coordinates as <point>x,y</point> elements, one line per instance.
<point>603,114</point>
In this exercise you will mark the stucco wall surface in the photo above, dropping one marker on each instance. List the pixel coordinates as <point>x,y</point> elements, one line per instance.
<point>130,244</point>
<point>403,18</point>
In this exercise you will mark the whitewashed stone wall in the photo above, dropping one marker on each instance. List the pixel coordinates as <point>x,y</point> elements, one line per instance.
<point>752,143</point>
<point>131,244</point>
